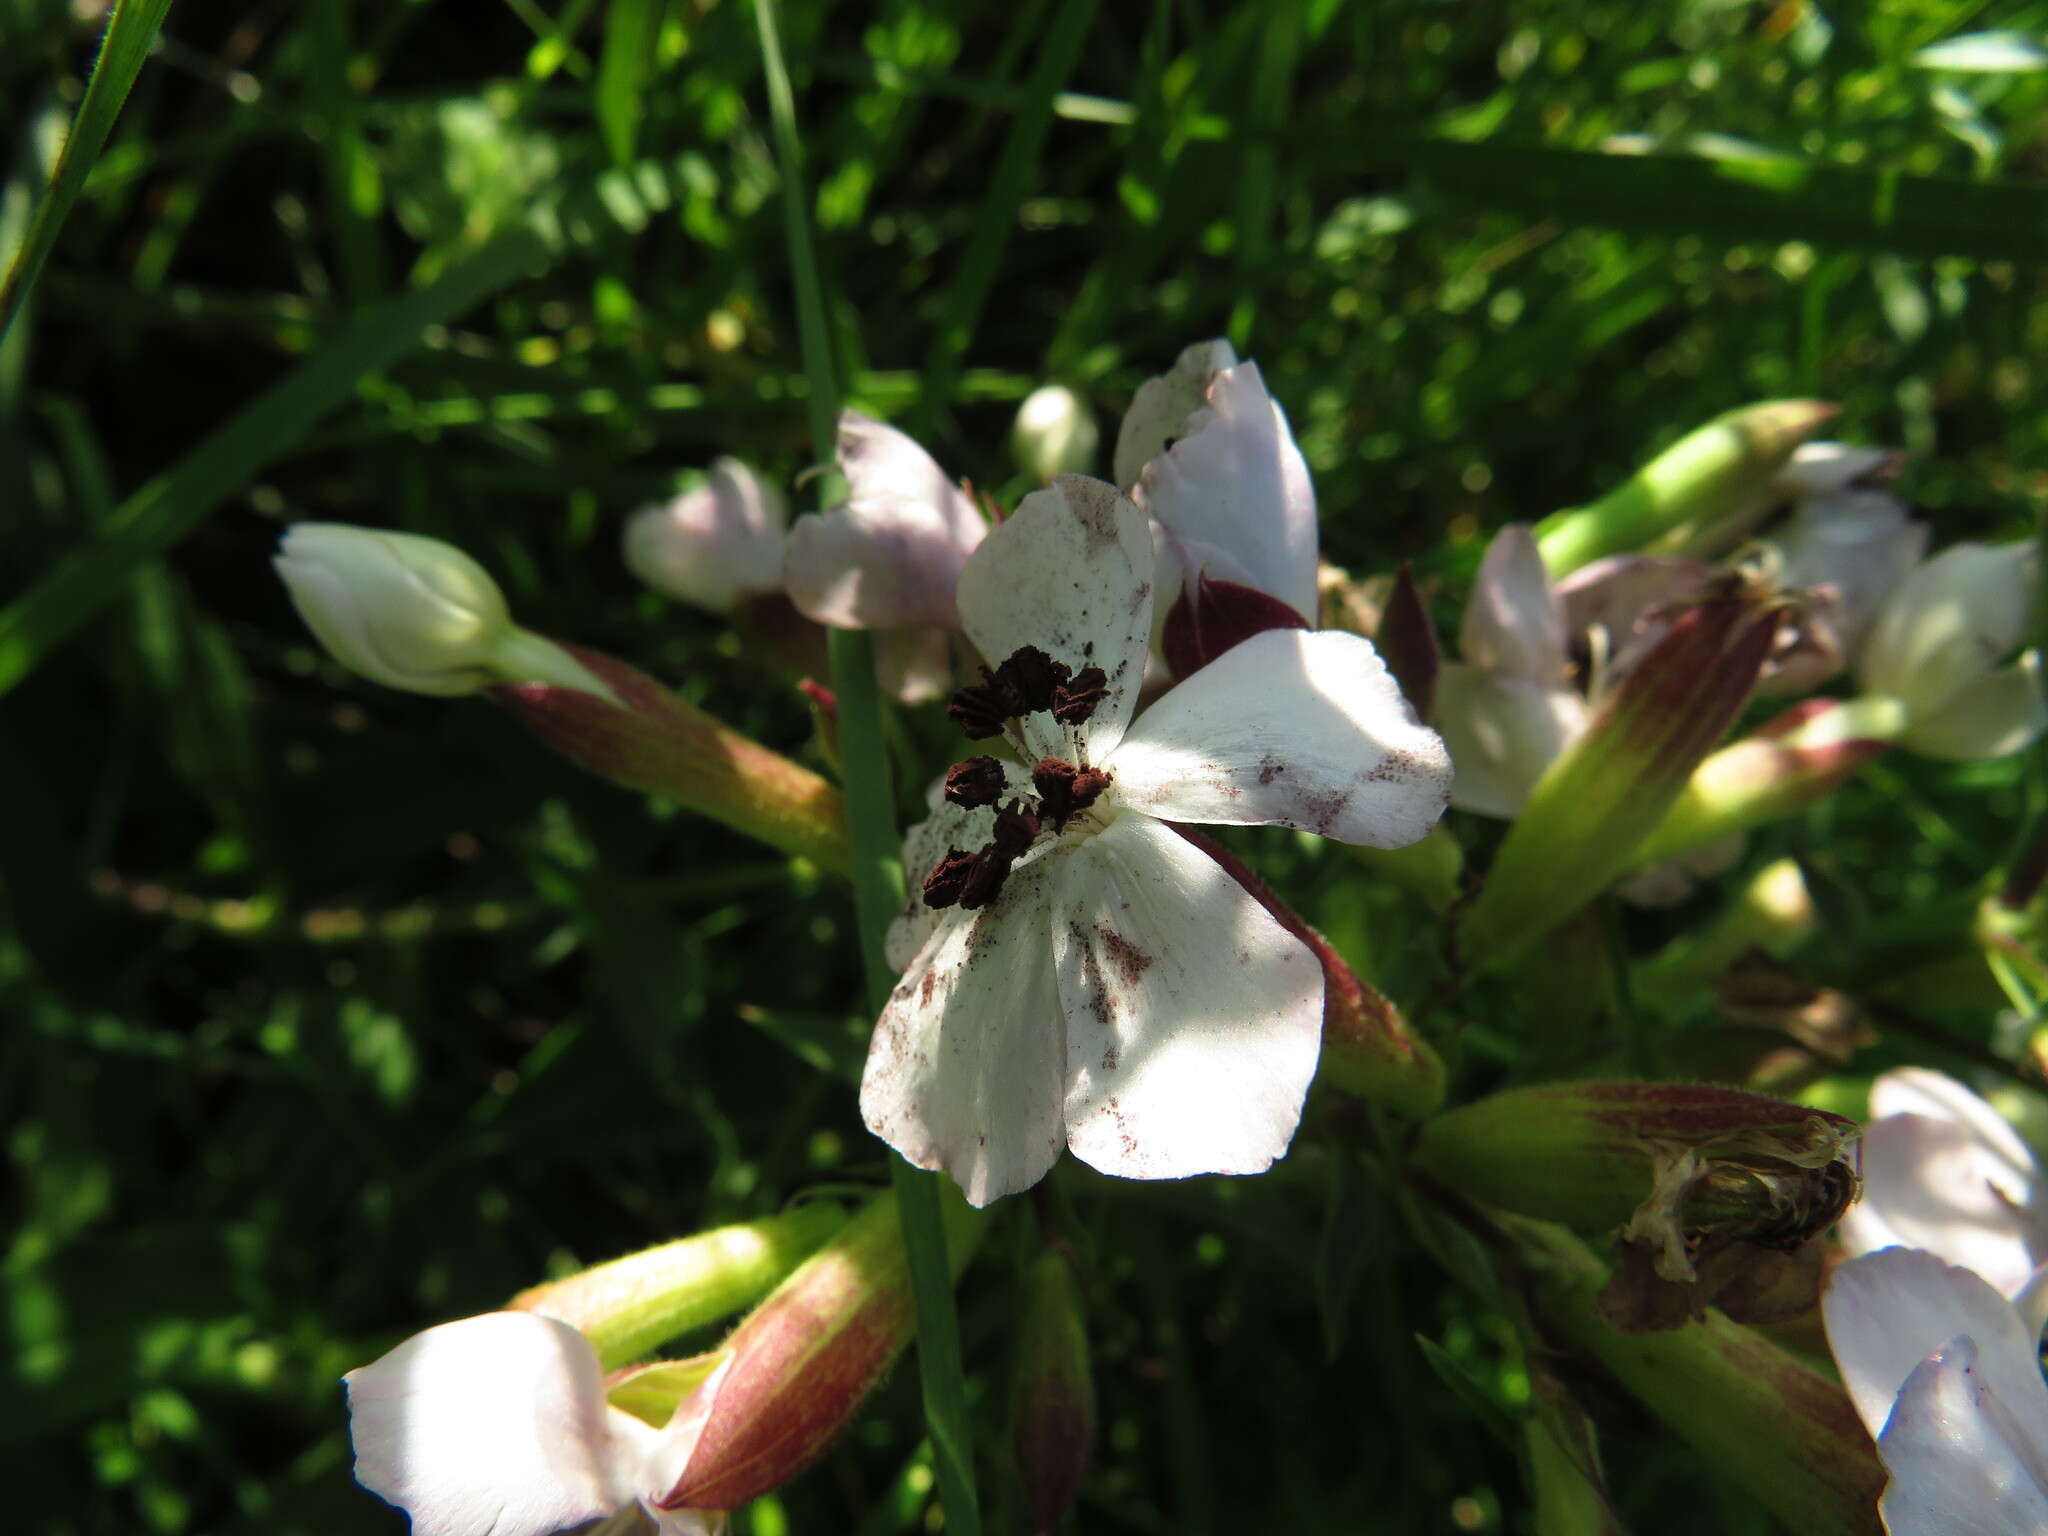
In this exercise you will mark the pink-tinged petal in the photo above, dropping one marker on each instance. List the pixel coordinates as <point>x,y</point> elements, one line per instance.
<point>714,545</point>
<point>891,557</point>
<point>1194,1019</point>
<point>1888,1311</point>
<point>1993,717</point>
<point>1937,1096</point>
<point>1502,732</point>
<point>1291,729</point>
<point>1512,622</point>
<point>967,1064</point>
<point>495,1423</point>
<point>1237,484</point>
<point>1160,409</point>
<point>1070,571</point>
<point>1630,600</point>
<point>1964,1461</point>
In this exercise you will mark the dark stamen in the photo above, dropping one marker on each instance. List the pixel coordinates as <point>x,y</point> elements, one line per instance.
<point>1016,830</point>
<point>1032,678</point>
<point>1065,791</point>
<point>948,879</point>
<point>981,710</point>
<point>985,879</point>
<point>974,783</point>
<point>1073,702</point>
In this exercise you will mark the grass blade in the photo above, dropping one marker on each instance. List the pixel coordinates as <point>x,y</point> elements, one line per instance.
<point>130,35</point>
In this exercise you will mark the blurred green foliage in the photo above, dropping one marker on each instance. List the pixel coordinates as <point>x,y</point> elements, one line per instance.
<point>334,1012</point>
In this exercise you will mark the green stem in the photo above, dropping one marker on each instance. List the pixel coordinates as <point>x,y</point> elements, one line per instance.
<point>871,823</point>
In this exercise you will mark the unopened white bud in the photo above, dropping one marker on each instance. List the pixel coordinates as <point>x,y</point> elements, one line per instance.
<point>414,613</point>
<point>715,545</point>
<point>1055,433</point>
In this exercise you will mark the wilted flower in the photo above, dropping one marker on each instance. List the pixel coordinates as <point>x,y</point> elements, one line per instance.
<point>713,546</point>
<point>1946,1374</point>
<point>1943,1171</point>
<point>1086,977</point>
<point>891,556</point>
<point>1936,648</point>
<point>1054,433</point>
<point>414,613</point>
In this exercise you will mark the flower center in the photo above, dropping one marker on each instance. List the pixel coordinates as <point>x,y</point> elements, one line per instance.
<point>1028,683</point>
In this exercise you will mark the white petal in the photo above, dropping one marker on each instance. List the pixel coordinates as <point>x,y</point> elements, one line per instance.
<point>1937,1096</point>
<point>1502,733</point>
<point>1863,544</point>
<point>714,545</point>
<point>1995,716</point>
<point>1963,1461</point>
<point>967,1064</point>
<point>1818,468</point>
<point>892,555</point>
<point>916,665</point>
<point>1070,571</point>
<point>946,826</point>
<point>1194,1019</point>
<point>1291,728</point>
<point>1950,623</point>
<point>1238,484</point>
<point>1887,1311</point>
<point>1512,622</point>
<point>1931,1185</point>
<point>493,1424</point>
<point>1161,407</point>
<point>667,1460</point>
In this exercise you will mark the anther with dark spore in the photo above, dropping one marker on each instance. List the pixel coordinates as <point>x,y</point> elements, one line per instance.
<point>974,783</point>
<point>981,710</point>
<point>985,879</point>
<point>1016,830</point>
<point>1064,791</point>
<point>949,877</point>
<point>1032,678</point>
<point>1074,702</point>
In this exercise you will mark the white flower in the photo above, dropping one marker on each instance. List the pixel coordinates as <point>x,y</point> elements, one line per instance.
<point>1946,1374</point>
<point>1937,644</point>
<point>498,1426</point>
<point>890,557</point>
<point>1943,1171</point>
<point>1054,433</point>
<point>715,545</point>
<point>1507,709</point>
<point>1231,497</point>
<point>414,613</point>
<point>1096,981</point>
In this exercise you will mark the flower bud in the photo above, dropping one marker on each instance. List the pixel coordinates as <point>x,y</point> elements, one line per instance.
<point>802,1361</point>
<point>1054,434</point>
<point>1760,1418</point>
<point>714,545</point>
<point>1407,639</point>
<point>628,1306</point>
<point>1593,1154</point>
<point>1587,815</point>
<point>640,734</point>
<point>1699,494</point>
<point>413,613</point>
<point>1052,1403</point>
<point>1936,647</point>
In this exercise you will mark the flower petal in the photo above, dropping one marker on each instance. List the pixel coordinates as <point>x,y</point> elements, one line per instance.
<point>1194,1019</point>
<point>1070,571</point>
<point>1887,1311</point>
<point>1630,599</point>
<point>1289,728</point>
<point>495,1423</point>
<point>1950,623</point>
<point>1502,732</point>
<point>1963,1461</point>
<point>1161,407</point>
<point>967,1064</point>
<point>1237,483</point>
<point>945,826</point>
<point>892,555</point>
<point>1512,622</point>
<point>1995,716</point>
<point>713,545</point>
<point>1937,1096</point>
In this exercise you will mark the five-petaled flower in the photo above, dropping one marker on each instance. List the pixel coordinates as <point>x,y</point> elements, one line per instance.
<point>1086,977</point>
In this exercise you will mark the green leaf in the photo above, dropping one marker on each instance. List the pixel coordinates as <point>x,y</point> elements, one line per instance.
<point>130,35</point>
<point>631,30</point>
